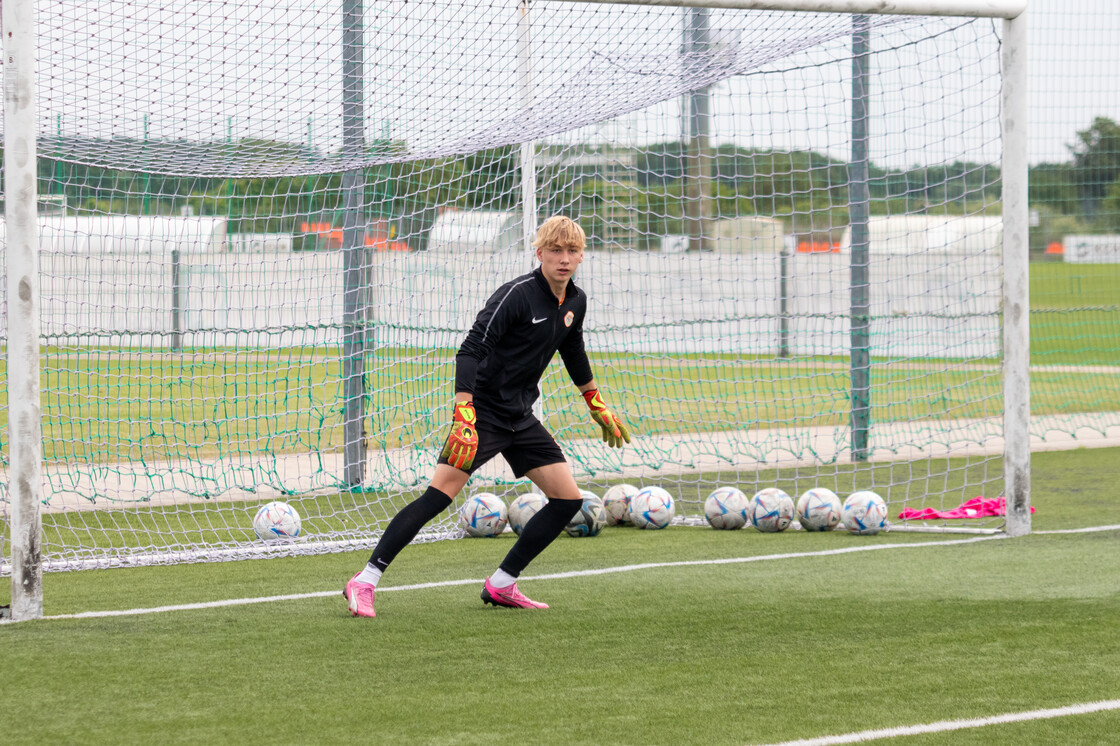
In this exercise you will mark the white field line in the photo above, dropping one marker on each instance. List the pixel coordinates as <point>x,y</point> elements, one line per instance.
<point>949,725</point>
<point>552,576</point>
<point>1089,530</point>
<point>555,576</point>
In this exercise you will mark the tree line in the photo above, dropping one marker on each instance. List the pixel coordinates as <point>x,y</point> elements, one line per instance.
<point>1081,195</point>
<point>649,186</point>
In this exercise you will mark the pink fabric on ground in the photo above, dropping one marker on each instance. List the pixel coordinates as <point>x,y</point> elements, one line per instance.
<point>977,507</point>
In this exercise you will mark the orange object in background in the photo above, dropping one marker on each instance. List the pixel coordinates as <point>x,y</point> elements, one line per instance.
<point>818,247</point>
<point>380,236</point>
<point>382,243</point>
<point>1055,248</point>
<point>328,236</point>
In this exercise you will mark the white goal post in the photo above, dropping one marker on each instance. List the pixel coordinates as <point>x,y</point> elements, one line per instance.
<point>371,160</point>
<point>1014,128</point>
<point>25,444</point>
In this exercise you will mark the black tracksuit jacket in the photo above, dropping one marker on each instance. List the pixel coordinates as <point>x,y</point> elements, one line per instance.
<point>511,343</point>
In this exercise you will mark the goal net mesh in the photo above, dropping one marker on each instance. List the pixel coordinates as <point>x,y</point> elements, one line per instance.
<point>266,227</point>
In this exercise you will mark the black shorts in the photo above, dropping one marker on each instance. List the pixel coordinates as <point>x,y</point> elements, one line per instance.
<point>523,450</point>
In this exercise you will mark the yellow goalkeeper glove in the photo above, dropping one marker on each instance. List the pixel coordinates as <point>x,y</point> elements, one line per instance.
<point>462,442</point>
<point>614,429</point>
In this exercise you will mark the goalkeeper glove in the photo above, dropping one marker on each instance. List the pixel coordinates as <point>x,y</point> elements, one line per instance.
<point>614,429</point>
<point>462,441</point>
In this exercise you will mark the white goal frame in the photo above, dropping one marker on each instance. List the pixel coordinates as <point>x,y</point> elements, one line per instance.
<point>1014,171</point>
<point>23,281</point>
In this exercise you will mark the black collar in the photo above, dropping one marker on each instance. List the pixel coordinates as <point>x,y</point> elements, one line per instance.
<point>569,292</point>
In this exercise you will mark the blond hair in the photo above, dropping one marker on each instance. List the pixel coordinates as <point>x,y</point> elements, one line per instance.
<point>560,231</point>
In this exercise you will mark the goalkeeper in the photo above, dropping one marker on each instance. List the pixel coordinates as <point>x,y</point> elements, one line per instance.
<point>498,371</point>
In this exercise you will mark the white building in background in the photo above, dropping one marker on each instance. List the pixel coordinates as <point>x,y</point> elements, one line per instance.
<point>748,233</point>
<point>462,231</point>
<point>131,234</point>
<point>938,234</point>
<point>259,243</point>
<point>934,292</point>
<point>741,235</point>
<point>110,235</point>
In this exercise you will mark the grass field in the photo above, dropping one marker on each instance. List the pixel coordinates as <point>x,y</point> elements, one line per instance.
<point>207,404</point>
<point>786,641</point>
<point>687,635</point>
<point>194,407</point>
<point>1075,314</point>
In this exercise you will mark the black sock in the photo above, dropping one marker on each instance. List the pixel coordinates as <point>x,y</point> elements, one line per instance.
<point>406,524</point>
<point>538,533</point>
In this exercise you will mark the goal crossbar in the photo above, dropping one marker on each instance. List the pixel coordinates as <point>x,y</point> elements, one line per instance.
<point>979,8</point>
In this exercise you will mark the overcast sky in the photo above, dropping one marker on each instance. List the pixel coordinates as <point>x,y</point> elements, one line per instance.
<point>1074,71</point>
<point>210,70</point>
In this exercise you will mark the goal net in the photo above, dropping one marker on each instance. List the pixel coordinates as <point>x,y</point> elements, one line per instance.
<point>273,222</point>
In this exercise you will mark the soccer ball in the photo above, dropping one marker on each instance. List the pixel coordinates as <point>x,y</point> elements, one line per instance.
<point>523,508</point>
<point>864,513</point>
<point>590,519</point>
<point>277,520</point>
<point>652,507</point>
<point>771,510</point>
<point>483,514</point>
<point>726,508</point>
<point>589,495</point>
<point>818,509</point>
<point>616,502</point>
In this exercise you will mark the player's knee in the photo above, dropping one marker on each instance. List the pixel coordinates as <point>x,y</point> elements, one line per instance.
<point>565,509</point>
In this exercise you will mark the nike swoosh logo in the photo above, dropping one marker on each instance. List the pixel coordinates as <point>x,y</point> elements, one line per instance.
<point>537,321</point>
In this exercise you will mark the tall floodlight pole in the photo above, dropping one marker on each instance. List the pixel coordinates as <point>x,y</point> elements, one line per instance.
<point>697,176</point>
<point>25,440</point>
<point>858,212</point>
<point>353,243</point>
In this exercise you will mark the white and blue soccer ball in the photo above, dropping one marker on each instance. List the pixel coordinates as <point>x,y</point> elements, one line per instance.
<point>277,520</point>
<point>589,495</point>
<point>616,503</point>
<point>523,508</point>
<point>864,513</point>
<point>652,507</point>
<point>771,510</point>
<point>590,518</point>
<point>818,509</point>
<point>483,514</point>
<point>726,508</point>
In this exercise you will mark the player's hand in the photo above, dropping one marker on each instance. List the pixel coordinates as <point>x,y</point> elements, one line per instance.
<point>462,441</point>
<point>614,429</point>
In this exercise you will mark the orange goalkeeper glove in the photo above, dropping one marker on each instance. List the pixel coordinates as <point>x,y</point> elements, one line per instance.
<point>462,441</point>
<point>614,429</point>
